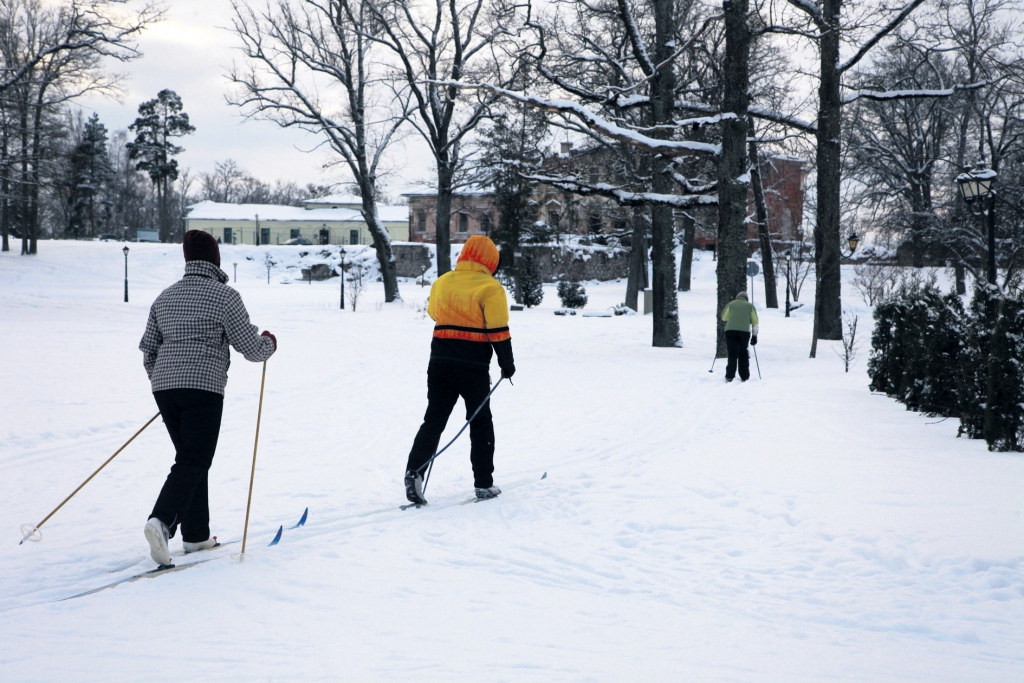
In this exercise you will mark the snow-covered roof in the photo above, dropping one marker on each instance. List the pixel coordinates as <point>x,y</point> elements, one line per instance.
<point>217,211</point>
<point>349,201</point>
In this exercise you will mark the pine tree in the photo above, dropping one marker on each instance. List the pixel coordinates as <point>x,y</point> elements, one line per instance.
<point>1004,405</point>
<point>572,294</point>
<point>529,282</point>
<point>90,174</point>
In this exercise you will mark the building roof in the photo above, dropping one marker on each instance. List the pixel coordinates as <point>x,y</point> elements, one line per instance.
<point>217,211</point>
<point>345,201</point>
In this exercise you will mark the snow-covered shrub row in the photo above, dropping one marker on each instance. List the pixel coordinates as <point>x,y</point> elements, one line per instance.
<point>935,356</point>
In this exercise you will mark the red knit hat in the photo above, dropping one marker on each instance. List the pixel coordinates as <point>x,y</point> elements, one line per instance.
<point>201,246</point>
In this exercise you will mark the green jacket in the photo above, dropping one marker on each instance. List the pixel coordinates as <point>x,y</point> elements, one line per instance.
<point>739,315</point>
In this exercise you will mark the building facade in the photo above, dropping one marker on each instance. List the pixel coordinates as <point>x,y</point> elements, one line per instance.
<point>329,220</point>
<point>568,213</point>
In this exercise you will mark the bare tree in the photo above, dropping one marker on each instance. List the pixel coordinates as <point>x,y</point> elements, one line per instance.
<point>301,53</point>
<point>447,40</point>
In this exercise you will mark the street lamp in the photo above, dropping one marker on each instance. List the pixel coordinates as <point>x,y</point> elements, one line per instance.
<point>853,240</point>
<point>125,250</point>
<point>976,184</point>
<point>236,271</point>
<point>423,276</point>
<point>789,261</point>
<point>342,278</point>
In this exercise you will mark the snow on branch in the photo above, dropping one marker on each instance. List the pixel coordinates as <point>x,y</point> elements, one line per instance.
<point>624,197</point>
<point>756,112</point>
<point>808,7</point>
<point>597,124</point>
<point>883,95</point>
<point>882,33</point>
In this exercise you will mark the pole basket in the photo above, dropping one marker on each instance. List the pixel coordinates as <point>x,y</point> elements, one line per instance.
<point>30,532</point>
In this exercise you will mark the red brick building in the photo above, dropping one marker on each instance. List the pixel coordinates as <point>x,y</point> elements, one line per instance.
<point>475,213</point>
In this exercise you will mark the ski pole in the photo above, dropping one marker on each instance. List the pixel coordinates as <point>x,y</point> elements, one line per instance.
<point>471,418</point>
<point>756,363</point>
<point>31,531</point>
<point>252,474</point>
<point>712,370</point>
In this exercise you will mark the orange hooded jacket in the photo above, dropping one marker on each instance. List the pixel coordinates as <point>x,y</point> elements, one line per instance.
<point>470,310</point>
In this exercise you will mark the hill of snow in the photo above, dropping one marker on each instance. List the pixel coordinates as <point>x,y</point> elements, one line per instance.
<point>793,528</point>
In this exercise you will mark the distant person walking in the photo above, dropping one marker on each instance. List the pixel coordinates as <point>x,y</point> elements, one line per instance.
<point>186,356</point>
<point>740,318</point>
<point>470,310</point>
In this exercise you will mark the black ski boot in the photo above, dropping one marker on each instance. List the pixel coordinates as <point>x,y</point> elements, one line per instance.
<point>414,488</point>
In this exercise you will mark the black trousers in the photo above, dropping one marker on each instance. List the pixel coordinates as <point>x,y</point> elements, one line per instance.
<point>736,342</point>
<point>192,417</point>
<point>445,383</point>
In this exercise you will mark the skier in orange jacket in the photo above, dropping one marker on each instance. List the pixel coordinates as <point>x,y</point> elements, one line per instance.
<point>470,310</point>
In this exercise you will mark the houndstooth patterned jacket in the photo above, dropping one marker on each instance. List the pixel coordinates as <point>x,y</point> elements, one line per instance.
<point>190,326</point>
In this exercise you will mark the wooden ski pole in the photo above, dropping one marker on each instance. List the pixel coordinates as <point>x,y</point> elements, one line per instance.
<point>36,528</point>
<point>252,474</point>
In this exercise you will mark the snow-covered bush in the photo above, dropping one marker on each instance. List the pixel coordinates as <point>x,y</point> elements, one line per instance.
<point>572,294</point>
<point>933,356</point>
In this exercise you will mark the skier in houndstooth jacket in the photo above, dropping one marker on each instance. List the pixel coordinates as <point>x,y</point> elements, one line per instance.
<point>186,356</point>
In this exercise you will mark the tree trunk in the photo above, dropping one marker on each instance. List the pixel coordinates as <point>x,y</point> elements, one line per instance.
<point>443,221</point>
<point>732,165</point>
<point>637,258</point>
<point>686,262</point>
<point>663,258</point>
<point>771,294</point>
<point>381,244</point>
<point>828,285</point>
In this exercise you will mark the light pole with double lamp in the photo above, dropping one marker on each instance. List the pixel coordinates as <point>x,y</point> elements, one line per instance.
<point>342,278</point>
<point>977,184</point>
<point>125,250</point>
<point>789,261</point>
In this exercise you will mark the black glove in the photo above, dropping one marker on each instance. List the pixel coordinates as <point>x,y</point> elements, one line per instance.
<point>753,340</point>
<point>508,372</point>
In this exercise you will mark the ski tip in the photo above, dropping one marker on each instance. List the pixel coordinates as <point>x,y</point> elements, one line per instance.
<point>302,521</point>
<point>277,538</point>
<point>545,476</point>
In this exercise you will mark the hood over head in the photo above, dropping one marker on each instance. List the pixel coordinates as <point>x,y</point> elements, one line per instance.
<point>482,250</point>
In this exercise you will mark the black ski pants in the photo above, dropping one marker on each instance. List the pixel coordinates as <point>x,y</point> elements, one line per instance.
<point>192,417</point>
<point>445,383</point>
<point>736,342</point>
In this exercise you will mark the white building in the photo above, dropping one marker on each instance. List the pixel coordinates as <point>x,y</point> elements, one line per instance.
<point>336,219</point>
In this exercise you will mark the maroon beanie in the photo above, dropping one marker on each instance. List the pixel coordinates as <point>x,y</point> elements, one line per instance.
<point>201,246</point>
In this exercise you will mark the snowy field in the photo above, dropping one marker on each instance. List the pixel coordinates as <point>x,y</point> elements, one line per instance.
<point>793,528</point>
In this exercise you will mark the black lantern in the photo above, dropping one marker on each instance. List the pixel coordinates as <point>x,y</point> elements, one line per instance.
<point>125,250</point>
<point>853,240</point>
<point>976,183</point>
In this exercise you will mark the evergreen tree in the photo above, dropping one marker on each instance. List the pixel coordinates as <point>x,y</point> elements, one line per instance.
<point>530,284</point>
<point>160,120</point>
<point>1004,405</point>
<point>90,172</point>
<point>572,294</point>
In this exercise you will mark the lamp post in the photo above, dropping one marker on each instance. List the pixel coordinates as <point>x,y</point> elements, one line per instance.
<point>852,241</point>
<point>789,261</point>
<point>342,278</point>
<point>125,250</point>
<point>236,271</point>
<point>977,184</point>
<point>423,276</point>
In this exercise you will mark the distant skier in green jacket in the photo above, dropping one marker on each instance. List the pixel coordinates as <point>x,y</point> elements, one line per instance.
<point>740,318</point>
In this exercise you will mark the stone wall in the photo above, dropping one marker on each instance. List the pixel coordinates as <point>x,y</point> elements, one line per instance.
<point>555,262</point>
<point>411,259</point>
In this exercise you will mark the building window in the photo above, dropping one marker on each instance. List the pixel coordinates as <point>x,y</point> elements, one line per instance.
<point>594,222</point>
<point>553,218</point>
<point>228,236</point>
<point>485,224</point>
<point>325,236</point>
<point>421,221</point>
<point>595,176</point>
<point>295,233</point>
<point>463,223</point>
<point>353,237</point>
<point>264,235</point>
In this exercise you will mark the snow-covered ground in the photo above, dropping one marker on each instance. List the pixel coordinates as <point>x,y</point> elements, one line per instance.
<point>793,528</point>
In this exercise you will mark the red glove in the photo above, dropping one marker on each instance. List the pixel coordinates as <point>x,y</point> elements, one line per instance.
<point>272,338</point>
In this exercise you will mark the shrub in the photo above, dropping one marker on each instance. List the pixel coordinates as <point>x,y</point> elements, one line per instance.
<point>572,294</point>
<point>529,282</point>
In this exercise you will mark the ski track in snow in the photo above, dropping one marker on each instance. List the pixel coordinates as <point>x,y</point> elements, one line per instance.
<point>794,528</point>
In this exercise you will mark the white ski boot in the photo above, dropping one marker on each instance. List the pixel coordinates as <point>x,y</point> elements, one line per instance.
<point>211,542</point>
<point>156,534</point>
<point>484,494</point>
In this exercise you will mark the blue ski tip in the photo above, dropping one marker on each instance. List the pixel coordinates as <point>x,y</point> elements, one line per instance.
<point>277,538</point>
<point>303,520</point>
<point>545,476</point>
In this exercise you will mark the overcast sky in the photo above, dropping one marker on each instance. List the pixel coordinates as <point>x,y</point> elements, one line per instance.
<point>190,52</point>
